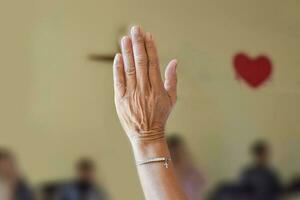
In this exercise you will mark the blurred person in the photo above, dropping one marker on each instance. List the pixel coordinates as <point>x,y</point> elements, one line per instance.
<point>292,190</point>
<point>12,185</point>
<point>189,176</point>
<point>4,191</point>
<point>84,187</point>
<point>263,179</point>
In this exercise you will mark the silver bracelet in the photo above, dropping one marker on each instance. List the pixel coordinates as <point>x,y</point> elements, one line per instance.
<point>166,161</point>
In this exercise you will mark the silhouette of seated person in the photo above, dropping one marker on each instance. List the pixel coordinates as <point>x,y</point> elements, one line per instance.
<point>84,187</point>
<point>293,188</point>
<point>260,176</point>
<point>12,185</point>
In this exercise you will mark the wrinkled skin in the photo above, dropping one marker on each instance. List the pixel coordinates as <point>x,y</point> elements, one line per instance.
<point>142,100</point>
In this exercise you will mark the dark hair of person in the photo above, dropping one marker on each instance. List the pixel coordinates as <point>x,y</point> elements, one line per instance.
<point>174,141</point>
<point>85,164</point>
<point>5,154</point>
<point>260,147</point>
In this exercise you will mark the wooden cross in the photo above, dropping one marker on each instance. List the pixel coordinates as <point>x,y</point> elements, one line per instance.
<point>108,57</point>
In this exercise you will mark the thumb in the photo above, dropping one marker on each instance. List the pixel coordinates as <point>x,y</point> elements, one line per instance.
<point>171,80</point>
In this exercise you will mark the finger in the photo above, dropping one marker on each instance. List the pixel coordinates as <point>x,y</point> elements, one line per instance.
<point>154,70</point>
<point>171,80</point>
<point>140,57</point>
<point>130,72</point>
<point>119,78</point>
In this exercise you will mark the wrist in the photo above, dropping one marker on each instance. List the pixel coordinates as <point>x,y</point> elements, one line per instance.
<point>150,149</point>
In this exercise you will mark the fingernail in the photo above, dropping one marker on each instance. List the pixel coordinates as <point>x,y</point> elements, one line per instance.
<point>124,39</point>
<point>135,30</point>
<point>176,62</point>
<point>117,57</point>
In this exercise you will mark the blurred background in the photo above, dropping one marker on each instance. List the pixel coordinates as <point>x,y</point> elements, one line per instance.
<point>57,103</point>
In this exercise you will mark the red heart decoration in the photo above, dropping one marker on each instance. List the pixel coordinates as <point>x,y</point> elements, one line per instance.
<point>253,71</point>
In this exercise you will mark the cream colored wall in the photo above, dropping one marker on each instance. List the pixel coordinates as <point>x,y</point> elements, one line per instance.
<point>56,105</point>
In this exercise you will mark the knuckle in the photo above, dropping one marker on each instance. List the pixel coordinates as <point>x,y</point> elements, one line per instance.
<point>140,60</point>
<point>150,46</point>
<point>119,85</point>
<point>128,51</point>
<point>140,39</point>
<point>130,70</point>
<point>153,62</point>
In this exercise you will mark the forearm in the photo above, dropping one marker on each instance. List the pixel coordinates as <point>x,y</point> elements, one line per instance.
<point>144,102</point>
<point>158,182</point>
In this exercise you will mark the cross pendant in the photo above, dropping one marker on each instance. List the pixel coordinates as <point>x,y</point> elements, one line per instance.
<point>166,164</point>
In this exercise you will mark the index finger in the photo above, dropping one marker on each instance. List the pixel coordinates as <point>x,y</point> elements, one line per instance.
<point>119,78</point>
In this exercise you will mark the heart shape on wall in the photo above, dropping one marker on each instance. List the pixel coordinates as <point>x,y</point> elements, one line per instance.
<point>254,71</point>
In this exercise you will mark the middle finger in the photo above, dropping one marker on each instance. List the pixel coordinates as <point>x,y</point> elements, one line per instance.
<point>140,58</point>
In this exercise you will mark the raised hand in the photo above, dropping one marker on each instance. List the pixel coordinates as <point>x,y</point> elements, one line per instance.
<point>143,101</point>
<point>143,105</point>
